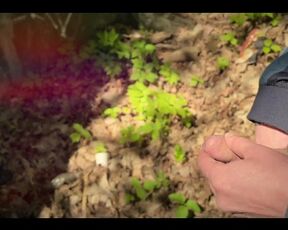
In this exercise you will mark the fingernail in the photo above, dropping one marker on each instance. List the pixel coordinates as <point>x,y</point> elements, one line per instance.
<point>211,142</point>
<point>230,134</point>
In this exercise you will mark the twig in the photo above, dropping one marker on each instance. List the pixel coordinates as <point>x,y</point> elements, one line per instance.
<point>64,27</point>
<point>35,16</point>
<point>52,21</point>
<point>59,21</point>
<point>19,18</point>
<point>84,195</point>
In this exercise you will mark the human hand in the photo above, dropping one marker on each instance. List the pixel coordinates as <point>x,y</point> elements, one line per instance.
<point>245,177</point>
<point>271,137</point>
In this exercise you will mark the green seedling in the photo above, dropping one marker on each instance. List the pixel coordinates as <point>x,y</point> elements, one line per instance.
<point>223,63</point>
<point>145,189</point>
<point>141,193</point>
<point>112,69</point>
<point>143,72</point>
<point>240,19</point>
<point>110,49</point>
<point>196,80</point>
<point>162,180</point>
<point>185,206</point>
<point>155,130</point>
<point>130,135</point>
<point>129,198</point>
<point>188,121</point>
<point>100,148</point>
<point>123,51</point>
<point>133,134</point>
<point>259,16</point>
<point>179,154</point>
<point>230,38</point>
<point>269,46</point>
<point>79,132</point>
<point>141,48</point>
<point>276,20</point>
<point>152,104</point>
<point>75,137</point>
<point>156,108</point>
<point>150,185</point>
<point>169,74</point>
<point>112,112</point>
<point>107,38</point>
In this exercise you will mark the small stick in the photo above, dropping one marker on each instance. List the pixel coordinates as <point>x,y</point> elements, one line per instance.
<point>64,27</point>
<point>84,195</point>
<point>35,16</point>
<point>52,21</point>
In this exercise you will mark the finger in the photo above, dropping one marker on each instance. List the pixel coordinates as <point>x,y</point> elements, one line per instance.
<point>208,165</point>
<point>243,147</point>
<point>217,148</point>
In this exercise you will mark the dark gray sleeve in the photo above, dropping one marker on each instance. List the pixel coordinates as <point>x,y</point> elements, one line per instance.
<point>271,103</point>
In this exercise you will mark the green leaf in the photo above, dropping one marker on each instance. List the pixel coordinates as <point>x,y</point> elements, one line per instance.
<point>182,212</point>
<point>274,22</point>
<point>126,110</point>
<point>112,69</point>
<point>149,185</point>
<point>129,198</point>
<point>124,50</point>
<point>268,42</point>
<point>100,148</point>
<point>151,77</point>
<point>150,48</point>
<point>222,63</point>
<point>192,205</point>
<point>270,15</point>
<point>276,48</point>
<point>75,137</point>
<point>145,129</point>
<point>266,50</point>
<point>188,121</point>
<point>239,19</point>
<point>195,80</point>
<point>179,154</point>
<point>82,131</point>
<point>135,182</point>
<point>177,198</point>
<point>143,72</point>
<point>112,112</point>
<point>234,42</point>
<point>129,135</point>
<point>140,192</point>
<point>230,38</point>
<point>226,37</point>
<point>169,75</point>
<point>162,180</point>
<point>107,38</point>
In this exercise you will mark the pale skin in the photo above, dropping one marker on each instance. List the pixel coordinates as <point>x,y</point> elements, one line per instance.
<point>248,177</point>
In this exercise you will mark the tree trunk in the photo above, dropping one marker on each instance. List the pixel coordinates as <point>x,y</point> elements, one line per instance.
<point>7,46</point>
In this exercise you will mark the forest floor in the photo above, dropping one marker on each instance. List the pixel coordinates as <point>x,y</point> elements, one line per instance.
<point>35,129</point>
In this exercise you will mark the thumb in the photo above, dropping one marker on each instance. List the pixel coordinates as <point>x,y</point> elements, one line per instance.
<point>241,146</point>
<point>217,148</point>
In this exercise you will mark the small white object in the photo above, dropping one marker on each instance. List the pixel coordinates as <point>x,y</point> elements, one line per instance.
<point>102,159</point>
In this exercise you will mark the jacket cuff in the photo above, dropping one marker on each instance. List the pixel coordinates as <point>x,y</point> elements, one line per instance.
<point>269,109</point>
